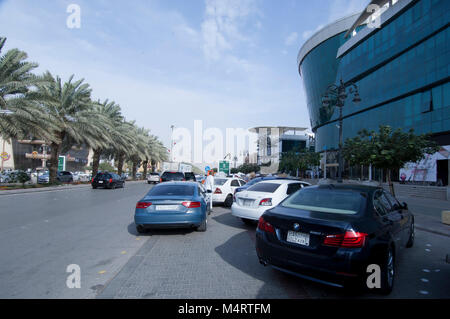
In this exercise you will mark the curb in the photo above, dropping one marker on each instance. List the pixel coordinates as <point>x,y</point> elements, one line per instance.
<point>50,189</point>
<point>431,230</point>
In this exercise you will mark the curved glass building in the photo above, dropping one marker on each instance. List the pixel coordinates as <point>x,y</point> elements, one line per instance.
<point>401,66</point>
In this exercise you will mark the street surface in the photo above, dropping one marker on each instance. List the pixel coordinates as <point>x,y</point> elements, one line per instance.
<point>42,233</point>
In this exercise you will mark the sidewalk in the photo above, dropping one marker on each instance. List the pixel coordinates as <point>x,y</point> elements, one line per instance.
<point>427,213</point>
<point>62,187</point>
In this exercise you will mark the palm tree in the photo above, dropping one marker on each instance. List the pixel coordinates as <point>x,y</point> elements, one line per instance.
<point>71,116</point>
<point>16,80</point>
<point>140,150</point>
<point>112,118</point>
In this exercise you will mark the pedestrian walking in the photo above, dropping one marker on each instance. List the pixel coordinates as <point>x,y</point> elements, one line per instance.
<point>209,185</point>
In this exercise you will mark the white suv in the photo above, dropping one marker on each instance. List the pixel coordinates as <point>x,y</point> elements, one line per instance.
<point>153,178</point>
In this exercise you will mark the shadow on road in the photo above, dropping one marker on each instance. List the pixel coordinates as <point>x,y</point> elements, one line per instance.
<point>239,251</point>
<point>162,232</point>
<point>229,220</point>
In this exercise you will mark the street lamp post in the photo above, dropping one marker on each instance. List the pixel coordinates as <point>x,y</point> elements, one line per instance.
<point>337,94</point>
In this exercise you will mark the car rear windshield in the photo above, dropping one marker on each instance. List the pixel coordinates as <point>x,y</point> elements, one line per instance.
<point>219,181</point>
<point>326,200</point>
<point>264,187</point>
<point>172,190</point>
<point>102,176</point>
<point>173,175</point>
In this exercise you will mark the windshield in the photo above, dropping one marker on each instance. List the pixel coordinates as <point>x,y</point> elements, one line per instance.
<point>326,200</point>
<point>171,190</point>
<point>219,181</point>
<point>264,187</point>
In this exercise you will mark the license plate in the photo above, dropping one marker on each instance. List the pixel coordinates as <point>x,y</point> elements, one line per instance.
<point>166,207</point>
<point>248,202</point>
<point>100,182</point>
<point>298,238</point>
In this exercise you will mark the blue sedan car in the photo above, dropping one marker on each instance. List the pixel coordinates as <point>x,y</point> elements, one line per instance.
<point>173,205</point>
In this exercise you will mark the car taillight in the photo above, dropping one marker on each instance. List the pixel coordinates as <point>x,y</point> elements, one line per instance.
<point>160,179</point>
<point>265,226</point>
<point>218,191</point>
<point>191,204</point>
<point>143,205</point>
<point>266,202</point>
<point>110,180</point>
<point>92,180</point>
<point>350,239</point>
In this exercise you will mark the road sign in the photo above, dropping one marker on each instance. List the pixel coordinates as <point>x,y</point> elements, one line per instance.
<point>224,166</point>
<point>61,163</point>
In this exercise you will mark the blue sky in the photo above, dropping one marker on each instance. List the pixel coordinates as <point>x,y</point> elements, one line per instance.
<point>230,63</point>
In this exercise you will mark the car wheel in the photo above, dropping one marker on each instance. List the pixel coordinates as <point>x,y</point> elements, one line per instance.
<point>228,201</point>
<point>248,222</point>
<point>387,272</point>
<point>140,229</point>
<point>94,187</point>
<point>410,242</point>
<point>113,186</point>
<point>203,225</point>
<point>148,182</point>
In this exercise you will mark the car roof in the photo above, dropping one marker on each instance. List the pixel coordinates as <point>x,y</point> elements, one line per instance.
<point>353,186</point>
<point>178,183</point>
<point>280,181</point>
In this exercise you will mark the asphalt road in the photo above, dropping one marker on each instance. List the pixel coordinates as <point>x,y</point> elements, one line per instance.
<point>42,233</point>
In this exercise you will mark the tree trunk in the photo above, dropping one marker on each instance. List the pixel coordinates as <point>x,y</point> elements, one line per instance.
<point>145,164</point>
<point>120,164</point>
<point>134,169</point>
<point>95,162</point>
<point>53,169</point>
<point>391,185</point>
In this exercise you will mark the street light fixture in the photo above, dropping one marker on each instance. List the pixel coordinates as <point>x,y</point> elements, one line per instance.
<point>337,94</point>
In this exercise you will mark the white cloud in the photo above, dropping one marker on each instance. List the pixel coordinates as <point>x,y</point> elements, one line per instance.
<point>306,34</point>
<point>291,38</point>
<point>221,28</point>
<point>341,8</point>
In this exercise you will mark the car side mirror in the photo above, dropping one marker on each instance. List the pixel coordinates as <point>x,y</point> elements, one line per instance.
<point>209,191</point>
<point>404,205</point>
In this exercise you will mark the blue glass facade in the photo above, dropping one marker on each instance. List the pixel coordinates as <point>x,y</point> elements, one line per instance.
<point>402,71</point>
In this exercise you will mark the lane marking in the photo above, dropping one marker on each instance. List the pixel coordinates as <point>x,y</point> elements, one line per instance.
<point>123,252</point>
<point>423,292</point>
<point>425,270</point>
<point>424,280</point>
<point>101,272</point>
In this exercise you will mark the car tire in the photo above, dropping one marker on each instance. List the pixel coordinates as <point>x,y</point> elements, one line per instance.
<point>387,272</point>
<point>149,182</point>
<point>94,187</point>
<point>410,242</point>
<point>113,186</point>
<point>248,222</point>
<point>203,226</point>
<point>228,201</point>
<point>140,229</point>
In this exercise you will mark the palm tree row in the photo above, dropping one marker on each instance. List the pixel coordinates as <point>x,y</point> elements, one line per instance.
<point>64,115</point>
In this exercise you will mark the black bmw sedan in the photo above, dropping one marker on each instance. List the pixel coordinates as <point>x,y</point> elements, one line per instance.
<point>337,234</point>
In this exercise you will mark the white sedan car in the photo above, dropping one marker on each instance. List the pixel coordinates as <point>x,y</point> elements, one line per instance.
<point>224,189</point>
<point>251,203</point>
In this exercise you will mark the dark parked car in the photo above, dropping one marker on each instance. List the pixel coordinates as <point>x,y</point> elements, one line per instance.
<point>107,180</point>
<point>61,176</point>
<point>189,176</point>
<point>331,233</point>
<point>168,176</point>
